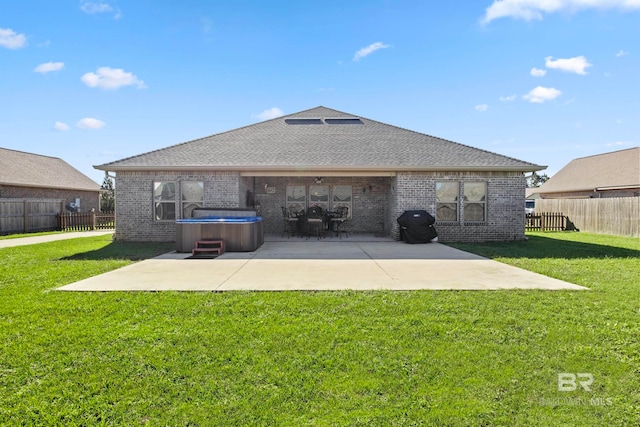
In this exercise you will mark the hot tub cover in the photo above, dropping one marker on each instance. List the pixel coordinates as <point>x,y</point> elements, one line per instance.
<point>416,226</point>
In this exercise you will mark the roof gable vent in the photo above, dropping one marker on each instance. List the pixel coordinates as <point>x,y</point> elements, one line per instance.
<point>343,121</point>
<point>303,121</point>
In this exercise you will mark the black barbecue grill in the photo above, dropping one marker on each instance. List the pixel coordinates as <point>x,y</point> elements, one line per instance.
<point>417,226</point>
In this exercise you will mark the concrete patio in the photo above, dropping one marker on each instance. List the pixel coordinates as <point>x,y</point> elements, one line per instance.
<point>358,263</point>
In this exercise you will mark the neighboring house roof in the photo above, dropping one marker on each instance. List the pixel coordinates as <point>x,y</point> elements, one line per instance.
<point>532,193</point>
<point>608,171</point>
<point>311,141</point>
<point>33,170</point>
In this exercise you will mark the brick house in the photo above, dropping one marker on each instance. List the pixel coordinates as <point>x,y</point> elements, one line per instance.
<point>33,176</point>
<point>330,158</point>
<point>613,174</point>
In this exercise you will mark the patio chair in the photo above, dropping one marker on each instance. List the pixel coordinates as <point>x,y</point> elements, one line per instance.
<point>315,221</point>
<point>339,219</point>
<point>290,223</point>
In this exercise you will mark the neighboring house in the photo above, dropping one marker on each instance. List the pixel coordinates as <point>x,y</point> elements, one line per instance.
<point>329,158</point>
<point>531,194</point>
<point>32,176</point>
<point>615,174</point>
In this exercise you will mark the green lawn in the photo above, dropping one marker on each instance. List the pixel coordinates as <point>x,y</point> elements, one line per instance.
<point>320,358</point>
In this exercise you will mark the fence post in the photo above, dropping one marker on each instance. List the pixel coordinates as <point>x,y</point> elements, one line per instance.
<point>25,224</point>
<point>61,214</point>
<point>93,219</point>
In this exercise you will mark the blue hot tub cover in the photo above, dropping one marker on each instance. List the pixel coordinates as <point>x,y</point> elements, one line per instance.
<point>220,219</point>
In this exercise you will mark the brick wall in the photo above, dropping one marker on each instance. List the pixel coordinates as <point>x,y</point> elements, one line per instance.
<point>88,199</point>
<point>505,204</point>
<point>377,202</point>
<point>134,201</point>
<point>370,213</point>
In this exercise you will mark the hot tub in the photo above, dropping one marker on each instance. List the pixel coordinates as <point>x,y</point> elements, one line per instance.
<point>241,230</point>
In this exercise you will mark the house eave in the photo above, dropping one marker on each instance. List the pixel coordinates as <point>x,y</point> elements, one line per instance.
<point>57,187</point>
<point>618,187</point>
<point>325,170</point>
<point>590,189</point>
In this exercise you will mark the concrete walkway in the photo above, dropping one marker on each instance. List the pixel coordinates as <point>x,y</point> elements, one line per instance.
<point>322,265</point>
<point>34,240</point>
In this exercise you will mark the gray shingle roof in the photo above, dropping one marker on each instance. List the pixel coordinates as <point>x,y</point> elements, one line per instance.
<point>602,171</point>
<point>33,170</point>
<point>278,144</point>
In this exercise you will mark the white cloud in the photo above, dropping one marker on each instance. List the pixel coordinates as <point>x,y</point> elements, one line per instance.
<point>534,9</point>
<point>111,78</point>
<point>537,72</point>
<point>482,107</point>
<point>91,8</point>
<point>576,65</point>
<point>269,114</point>
<point>365,51</point>
<point>48,67</point>
<point>508,98</point>
<point>90,123</point>
<point>541,94</point>
<point>60,126</point>
<point>621,53</point>
<point>12,40</point>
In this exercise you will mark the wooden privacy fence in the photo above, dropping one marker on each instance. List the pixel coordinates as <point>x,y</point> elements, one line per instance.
<point>545,221</point>
<point>29,215</point>
<point>86,221</point>
<point>616,215</point>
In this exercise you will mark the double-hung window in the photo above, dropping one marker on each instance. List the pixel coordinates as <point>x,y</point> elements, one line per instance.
<point>164,201</point>
<point>475,201</point>
<point>447,200</point>
<point>319,196</point>
<point>296,198</point>
<point>192,197</point>
<point>472,195</point>
<point>342,198</point>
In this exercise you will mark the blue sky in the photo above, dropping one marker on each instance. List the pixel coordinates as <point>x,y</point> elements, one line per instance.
<point>543,81</point>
